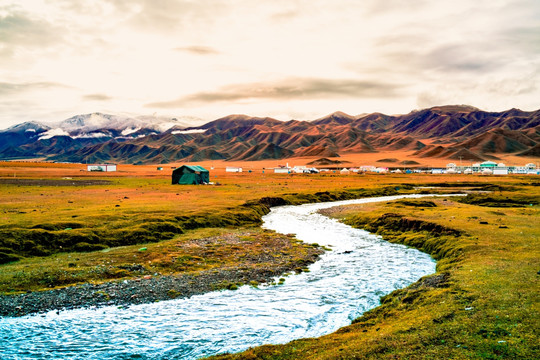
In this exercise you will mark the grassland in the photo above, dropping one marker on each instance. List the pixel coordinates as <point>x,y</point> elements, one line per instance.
<point>56,210</point>
<point>482,303</point>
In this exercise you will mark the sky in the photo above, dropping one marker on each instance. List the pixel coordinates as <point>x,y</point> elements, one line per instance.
<point>287,59</point>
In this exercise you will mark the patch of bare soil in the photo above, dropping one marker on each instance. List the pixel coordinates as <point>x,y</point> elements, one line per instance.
<point>52,182</point>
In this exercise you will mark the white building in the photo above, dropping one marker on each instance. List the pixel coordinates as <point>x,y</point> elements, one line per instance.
<point>299,169</point>
<point>101,167</point>
<point>368,168</point>
<point>233,169</point>
<point>501,171</point>
<point>282,170</point>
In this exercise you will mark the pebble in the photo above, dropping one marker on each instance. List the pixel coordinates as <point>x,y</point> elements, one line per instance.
<point>135,291</point>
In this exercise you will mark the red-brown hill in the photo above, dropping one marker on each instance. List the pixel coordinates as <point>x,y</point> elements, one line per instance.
<point>453,132</point>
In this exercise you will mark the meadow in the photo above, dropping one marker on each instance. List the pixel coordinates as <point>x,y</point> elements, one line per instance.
<point>52,211</point>
<point>60,226</point>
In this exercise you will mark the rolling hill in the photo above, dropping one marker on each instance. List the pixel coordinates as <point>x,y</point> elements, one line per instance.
<point>453,132</point>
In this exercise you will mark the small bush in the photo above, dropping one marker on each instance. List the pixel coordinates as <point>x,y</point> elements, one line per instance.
<point>498,200</point>
<point>7,258</point>
<point>59,226</point>
<point>86,247</point>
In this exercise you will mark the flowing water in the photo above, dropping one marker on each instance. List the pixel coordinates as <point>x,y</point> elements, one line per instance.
<point>342,285</point>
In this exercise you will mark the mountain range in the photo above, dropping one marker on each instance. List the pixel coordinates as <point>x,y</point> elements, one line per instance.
<point>451,132</point>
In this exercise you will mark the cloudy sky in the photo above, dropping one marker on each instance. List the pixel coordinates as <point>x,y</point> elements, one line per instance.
<point>286,59</point>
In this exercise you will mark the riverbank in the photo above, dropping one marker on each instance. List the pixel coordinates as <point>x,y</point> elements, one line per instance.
<point>253,257</point>
<point>482,303</point>
<point>142,290</point>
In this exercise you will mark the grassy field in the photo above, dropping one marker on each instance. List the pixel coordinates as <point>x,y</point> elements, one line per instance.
<point>61,226</point>
<point>49,212</point>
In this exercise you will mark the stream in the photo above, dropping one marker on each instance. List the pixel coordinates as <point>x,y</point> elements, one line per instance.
<point>338,288</point>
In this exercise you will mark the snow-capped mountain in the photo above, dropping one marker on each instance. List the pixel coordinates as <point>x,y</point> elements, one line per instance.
<point>98,125</point>
<point>89,129</point>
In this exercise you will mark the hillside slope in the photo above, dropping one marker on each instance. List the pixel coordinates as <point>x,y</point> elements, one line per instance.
<point>451,132</point>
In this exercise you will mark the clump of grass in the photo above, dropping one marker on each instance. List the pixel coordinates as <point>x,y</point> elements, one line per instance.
<point>492,200</point>
<point>417,203</point>
<point>173,294</point>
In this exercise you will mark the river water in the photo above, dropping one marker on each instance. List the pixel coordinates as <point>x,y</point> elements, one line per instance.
<point>346,282</point>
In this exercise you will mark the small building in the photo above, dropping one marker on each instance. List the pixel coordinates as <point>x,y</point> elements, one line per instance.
<point>501,171</point>
<point>190,175</point>
<point>282,170</point>
<point>488,164</point>
<point>367,168</point>
<point>299,169</point>
<point>233,169</point>
<point>487,172</point>
<point>101,167</point>
<point>344,171</point>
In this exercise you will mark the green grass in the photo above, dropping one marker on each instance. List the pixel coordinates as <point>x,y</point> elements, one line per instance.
<point>200,250</point>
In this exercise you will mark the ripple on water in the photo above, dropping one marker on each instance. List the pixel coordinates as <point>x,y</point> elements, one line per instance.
<point>346,282</point>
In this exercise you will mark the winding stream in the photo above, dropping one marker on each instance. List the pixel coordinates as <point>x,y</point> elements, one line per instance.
<point>346,282</point>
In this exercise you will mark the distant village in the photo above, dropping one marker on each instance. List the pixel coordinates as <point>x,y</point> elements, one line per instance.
<point>483,168</point>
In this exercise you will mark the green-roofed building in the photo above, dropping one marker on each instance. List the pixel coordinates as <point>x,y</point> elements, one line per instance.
<point>488,164</point>
<point>190,175</point>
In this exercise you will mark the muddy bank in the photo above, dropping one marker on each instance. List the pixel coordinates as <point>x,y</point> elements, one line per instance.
<point>145,289</point>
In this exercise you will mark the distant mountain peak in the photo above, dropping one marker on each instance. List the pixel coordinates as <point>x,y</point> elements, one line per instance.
<point>452,131</point>
<point>338,117</point>
<point>27,126</point>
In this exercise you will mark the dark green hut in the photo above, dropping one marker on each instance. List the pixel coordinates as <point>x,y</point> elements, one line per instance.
<point>190,175</point>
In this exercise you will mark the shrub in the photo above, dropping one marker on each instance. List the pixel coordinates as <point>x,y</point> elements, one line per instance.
<point>7,258</point>
<point>86,247</point>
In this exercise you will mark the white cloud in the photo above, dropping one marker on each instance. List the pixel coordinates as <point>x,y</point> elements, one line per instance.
<point>193,131</point>
<point>114,56</point>
<point>53,132</point>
